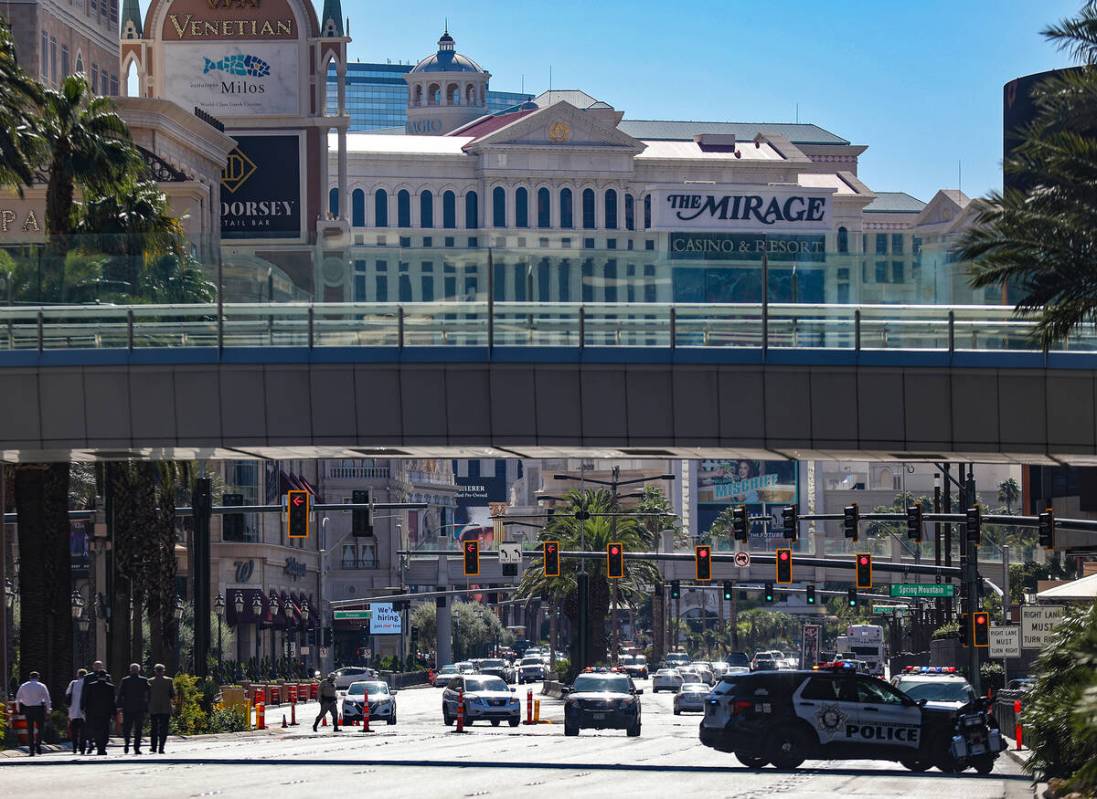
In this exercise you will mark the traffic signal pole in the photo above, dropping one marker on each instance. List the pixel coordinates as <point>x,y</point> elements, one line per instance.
<point>202,504</point>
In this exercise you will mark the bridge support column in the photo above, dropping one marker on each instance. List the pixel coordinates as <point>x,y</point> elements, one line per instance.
<point>443,624</point>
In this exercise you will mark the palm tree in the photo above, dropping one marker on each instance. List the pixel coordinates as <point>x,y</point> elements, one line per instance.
<point>594,533</point>
<point>1041,241</point>
<point>19,96</point>
<point>1008,492</point>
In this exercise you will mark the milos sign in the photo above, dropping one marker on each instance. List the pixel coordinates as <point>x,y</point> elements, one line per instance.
<point>753,208</point>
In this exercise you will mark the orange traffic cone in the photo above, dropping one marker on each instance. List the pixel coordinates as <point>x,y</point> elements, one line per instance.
<point>324,723</point>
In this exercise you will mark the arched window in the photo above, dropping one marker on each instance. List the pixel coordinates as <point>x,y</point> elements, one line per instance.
<point>419,94</point>
<point>449,210</point>
<point>426,209</point>
<point>611,209</point>
<point>403,208</point>
<point>380,208</point>
<point>843,240</point>
<point>499,207</point>
<point>566,219</point>
<point>333,202</point>
<point>630,212</point>
<point>647,211</point>
<point>521,207</point>
<point>434,94</point>
<point>588,209</point>
<point>453,92</point>
<point>358,208</point>
<point>470,95</point>
<point>544,211</point>
<point>472,210</point>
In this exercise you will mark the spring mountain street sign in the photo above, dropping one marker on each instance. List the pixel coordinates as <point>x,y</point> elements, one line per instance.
<point>923,589</point>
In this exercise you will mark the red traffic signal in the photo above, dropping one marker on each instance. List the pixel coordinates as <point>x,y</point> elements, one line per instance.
<point>784,566</point>
<point>864,571</point>
<point>702,562</point>
<point>472,558</point>
<point>551,554</point>
<point>980,630</point>
<point>297,511</point>
<point>615,560</point>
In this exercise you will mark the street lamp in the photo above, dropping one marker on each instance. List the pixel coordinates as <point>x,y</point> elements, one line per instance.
<point>178,609</point>
<point>219,608</point>
<point>9,594</point>
<point>305,620</point>
<point>77,604</point>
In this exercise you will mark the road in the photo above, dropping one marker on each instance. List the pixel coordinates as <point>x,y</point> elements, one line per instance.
<point>419,758</point>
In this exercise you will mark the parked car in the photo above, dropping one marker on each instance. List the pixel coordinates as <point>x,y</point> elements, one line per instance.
<point>382,701</point>
<point>347,675</point>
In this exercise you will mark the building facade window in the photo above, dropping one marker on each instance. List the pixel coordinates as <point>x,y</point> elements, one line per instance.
<point>896,243</point>
<point>380,208</point>
<point>449,210</point>
<point>881,244</point>
<point>544,211</point>
<point>647,212</point>
<point>333,202</point>
<point>499,207</point>
<point>843,240</point>
<point>610,202</point>
<point>358,208</point>
<point>567,220</point>
<point>630,212</point>
<point>588,209</point>
<point>403,208</point>
<point>472,210</point>
<point>426,209</point>
<point>521,207</point>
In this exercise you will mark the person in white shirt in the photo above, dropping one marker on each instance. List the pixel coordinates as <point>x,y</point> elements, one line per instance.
<point>76,712</point>
<point>33,698</point>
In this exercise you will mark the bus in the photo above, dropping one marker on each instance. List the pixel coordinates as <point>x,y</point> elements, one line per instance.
<point>864,642</point>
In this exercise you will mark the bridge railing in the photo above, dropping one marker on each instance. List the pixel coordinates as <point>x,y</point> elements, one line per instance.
<point>524,324</point>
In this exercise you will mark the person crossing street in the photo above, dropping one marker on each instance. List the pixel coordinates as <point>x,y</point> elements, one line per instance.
<point>329,703</point>
<point>34,703</point>
<point>133,699</point>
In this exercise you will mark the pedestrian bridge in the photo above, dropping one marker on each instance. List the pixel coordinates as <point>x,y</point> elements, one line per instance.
<point>486,379</point>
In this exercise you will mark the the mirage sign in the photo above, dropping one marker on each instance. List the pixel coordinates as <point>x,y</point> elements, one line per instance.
<point>233,79</point>
<point>744,208</point>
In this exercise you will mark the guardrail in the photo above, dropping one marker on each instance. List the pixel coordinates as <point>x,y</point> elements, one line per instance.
<point>520,324</point>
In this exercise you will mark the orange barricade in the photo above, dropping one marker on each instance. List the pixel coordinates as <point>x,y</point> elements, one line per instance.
<point>260,716</point>
<point>276,694</point>
<point>314,691</point>
<point>19,725</point>
<point>292,706</point>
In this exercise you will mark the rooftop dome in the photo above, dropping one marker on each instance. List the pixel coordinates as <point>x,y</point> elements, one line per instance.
<point>447,59</point>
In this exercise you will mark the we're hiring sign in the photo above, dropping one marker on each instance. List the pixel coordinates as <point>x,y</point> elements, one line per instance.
<point>743,208</point>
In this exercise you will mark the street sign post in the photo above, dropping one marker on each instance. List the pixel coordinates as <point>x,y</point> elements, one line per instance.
<point>510,558</point>
<point>352,615</point>
<point>1038,624</point>
<point>923,590</point>
<point>889,610</point>
<point>1005,641</point>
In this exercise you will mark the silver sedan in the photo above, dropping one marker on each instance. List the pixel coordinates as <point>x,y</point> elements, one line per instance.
<point>666,680</point>
<point>691,697</point>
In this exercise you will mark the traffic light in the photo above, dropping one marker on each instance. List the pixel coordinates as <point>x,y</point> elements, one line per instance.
<point>472,558</point>
<point>702,563</point>
<point>675,589</point>
<point>851,514</point>
<point>550,551</point>
<point>980,629</point>
<point>864,571</point>
<point>964,629</point>
<point>789,522</point>
<point>615,560</point>
<point>297,502</point>
<point>740,523</point>
<point>974,524</point>
<point>769,593</point>
<point>361,519</point>
<point>784,566</point>
<point>1047,528</point>
<point>851,597</point>
<point>232,524</point>
<point>810,595</point>
<point>914,522</point>
<point>729,590</point>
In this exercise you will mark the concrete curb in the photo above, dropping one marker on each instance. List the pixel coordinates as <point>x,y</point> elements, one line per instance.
<point>24,751</point>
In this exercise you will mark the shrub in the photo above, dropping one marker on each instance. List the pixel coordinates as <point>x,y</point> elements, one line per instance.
<point>947,631</point>
<point>190,718</point>
<point>992,676</point>
<point>227,719</point>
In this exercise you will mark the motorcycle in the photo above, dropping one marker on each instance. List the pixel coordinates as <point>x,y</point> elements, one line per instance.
<point>976,742</point>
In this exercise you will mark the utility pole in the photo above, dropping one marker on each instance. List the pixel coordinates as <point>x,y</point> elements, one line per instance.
<point>202,503</point>
<point>971,579</point>
<point>938,603</point>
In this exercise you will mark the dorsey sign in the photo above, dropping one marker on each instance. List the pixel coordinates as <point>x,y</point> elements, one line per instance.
<point>261,189</point>
<point>750,208</point>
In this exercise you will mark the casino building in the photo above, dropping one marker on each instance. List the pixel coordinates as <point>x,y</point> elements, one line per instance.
<point>572,198</point>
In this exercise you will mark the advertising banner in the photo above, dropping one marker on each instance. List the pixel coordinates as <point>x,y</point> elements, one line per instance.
<point>233,79</point>
<point>383,619</point>
<point>809,649</point>
<point>748,208</point>
<point>763,486</point>
<point>779,248</point>
<point>261,189</point>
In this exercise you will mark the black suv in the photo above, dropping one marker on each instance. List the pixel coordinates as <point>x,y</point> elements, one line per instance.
<point>602,701</point>
<point>787,717</point>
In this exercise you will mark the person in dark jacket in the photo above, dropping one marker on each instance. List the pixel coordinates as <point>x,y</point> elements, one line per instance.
<point>98,700</point>
<point>133,699</point>
<point>97,669</point>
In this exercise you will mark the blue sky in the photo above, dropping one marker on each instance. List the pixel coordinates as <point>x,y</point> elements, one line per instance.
<point>918,81</point>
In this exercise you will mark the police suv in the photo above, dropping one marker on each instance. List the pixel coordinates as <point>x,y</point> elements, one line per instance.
<point>940,686</point>
<point>787,717</point>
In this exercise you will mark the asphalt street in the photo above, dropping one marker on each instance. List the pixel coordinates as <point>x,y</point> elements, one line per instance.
<point>419,757</point>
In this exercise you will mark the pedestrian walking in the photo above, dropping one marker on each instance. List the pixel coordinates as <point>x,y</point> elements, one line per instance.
<point>161,697</point>
<point>73,695</point>
<point>133,699</point>
<point>97,669</point>
<point>329,701</point>
<point>33,698</point>
<point>98,701</point>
